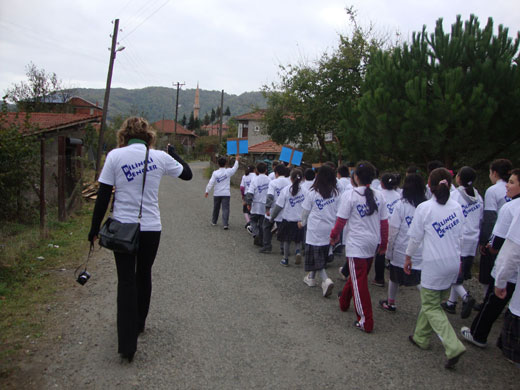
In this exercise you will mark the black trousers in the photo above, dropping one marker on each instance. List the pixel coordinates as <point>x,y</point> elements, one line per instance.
<point>134,289</point>
<point>379,268</point>
<point>219,201</point>
<point>491,310</point>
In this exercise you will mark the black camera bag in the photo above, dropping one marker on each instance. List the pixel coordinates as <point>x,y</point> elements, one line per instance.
<point>123,237</point>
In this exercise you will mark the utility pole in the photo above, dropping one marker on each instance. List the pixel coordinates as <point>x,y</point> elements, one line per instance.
<point>107,96</point>
<point>176,109</point>
<point>221,113</point>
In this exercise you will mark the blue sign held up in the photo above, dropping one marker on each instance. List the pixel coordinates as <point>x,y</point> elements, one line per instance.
<point>237,146</point>
<point>291,155</point>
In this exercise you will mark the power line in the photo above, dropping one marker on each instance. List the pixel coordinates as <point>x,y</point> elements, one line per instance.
<point>149,16</point>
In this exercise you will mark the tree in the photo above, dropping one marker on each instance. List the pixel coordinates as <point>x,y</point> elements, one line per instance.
<point>40,88</point>
<point>450,96</point>
<point>191,122</point>
<point>227,112</point>
<point>306,102</point>
<point>217,113</point>
<point>213,115</point>
<point>183,120</point>
<point>206,120</point>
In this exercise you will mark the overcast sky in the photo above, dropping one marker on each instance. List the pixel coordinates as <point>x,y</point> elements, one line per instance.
<point>235,45</point>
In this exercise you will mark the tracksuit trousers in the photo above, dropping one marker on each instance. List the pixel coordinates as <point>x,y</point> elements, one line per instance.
<point>134,290</point>
<point>357,288</point>
<point>432,318</point>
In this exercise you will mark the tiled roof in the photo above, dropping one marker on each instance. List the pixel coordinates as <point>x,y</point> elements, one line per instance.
<point>46,121</point>
<point>265,147</point>
<point>167,126</point>
<point>257,115</point>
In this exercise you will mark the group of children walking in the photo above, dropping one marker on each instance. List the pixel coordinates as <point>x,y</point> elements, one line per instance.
<point>428,233</point>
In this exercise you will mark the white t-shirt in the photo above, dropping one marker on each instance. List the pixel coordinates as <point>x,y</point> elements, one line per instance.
<point>306,185</point>
<point>401,219</point>
<point>473,211</point>
<point>508,263</point>
<point>258,187</point>
<point>362,234</point>
<point>439,228</point>
<point>124,169</point>
<point>271,176</point>
<point>322,217</point>
<point>495,196</point>
<point>221,179</point>
<point>246,181</point>
<point>275,187</point>
<point>344,184</point>
<point>391,198</point>
<point>291,204</point>
<point>376,184</point>
<point>503,225</point>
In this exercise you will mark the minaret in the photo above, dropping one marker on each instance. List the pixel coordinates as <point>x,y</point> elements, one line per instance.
<point>196,106</point>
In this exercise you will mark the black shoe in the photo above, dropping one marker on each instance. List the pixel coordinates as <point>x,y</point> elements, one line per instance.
<point>449,308</point>
<point>478,306</point>
<point>467,305</point>
<point>266,249</point>
<point>450,363</point>
<point>128,356</point>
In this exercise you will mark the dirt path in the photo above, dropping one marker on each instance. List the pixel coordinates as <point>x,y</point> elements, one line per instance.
<point>225,317</point>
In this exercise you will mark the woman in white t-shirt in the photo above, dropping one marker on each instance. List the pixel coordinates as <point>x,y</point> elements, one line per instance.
<point>289,204</point>
<point>124,169</point>
<point>494,198</point>
<point>399,225</point>
<point>437,225</point>
<point>389,185</point>
<point>244,186</point>
<point>367,228</point>
<point>473,209</point>
<point>319,213</point>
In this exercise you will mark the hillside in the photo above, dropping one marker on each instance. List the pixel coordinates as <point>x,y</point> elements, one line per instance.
<point>156,103</point>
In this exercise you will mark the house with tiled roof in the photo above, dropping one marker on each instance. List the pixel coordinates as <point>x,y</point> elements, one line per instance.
<point>168,132</point>
<point>215,128</point>
<point>62,137</point>
<point>251,126</point>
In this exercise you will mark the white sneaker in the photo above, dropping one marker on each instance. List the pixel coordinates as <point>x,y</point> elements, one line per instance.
<point>466,333</point>
<point>327,287</point>
<point>308,281</point>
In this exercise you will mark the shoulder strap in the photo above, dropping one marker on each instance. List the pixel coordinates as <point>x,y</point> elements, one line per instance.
<point>144,180</point>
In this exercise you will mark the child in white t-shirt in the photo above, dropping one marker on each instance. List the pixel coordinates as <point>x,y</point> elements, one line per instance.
<point>256,197</point>
<point>319,213</point>
<point>494,198</point>
<point>438,225</point>
<point>289,203</point>
<point>244,186</point>
<point>389,185</point>
<point>367,228</point>
<point>473,209</point>
<point>399,225</point>
<point>221,180</point>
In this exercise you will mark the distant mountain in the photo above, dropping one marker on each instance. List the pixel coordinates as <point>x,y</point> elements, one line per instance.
<point>156,103</point>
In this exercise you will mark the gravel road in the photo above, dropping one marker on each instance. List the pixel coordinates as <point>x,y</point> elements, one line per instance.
<point>224,316</point>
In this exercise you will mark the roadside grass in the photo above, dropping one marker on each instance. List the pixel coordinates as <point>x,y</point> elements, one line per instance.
<point>29,287</point>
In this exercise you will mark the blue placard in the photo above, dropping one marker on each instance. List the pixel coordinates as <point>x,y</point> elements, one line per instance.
<point>297,158</point>
<point>243,146</point>
<point>285,154</point>
<point>231,147</point>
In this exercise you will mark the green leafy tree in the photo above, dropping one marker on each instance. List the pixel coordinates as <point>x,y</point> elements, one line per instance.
<point>40,89</point>
<point>213,115</point>
<point>449,96</point>
<point>19,166</point>
<point>227,112</point>
<point>206,120</point>
<point>184,120</point>
<point>191,122</point>
<point>217,113</point>
<point>306,103</point>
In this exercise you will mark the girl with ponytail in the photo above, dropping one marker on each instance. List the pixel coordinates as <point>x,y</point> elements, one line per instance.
<point>289,203</point>
<point>473,210</point>
<point>438,226</point>
<point>364,210</point>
